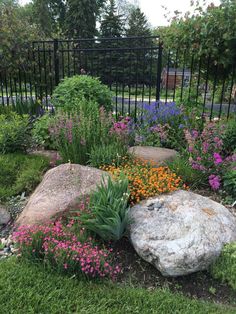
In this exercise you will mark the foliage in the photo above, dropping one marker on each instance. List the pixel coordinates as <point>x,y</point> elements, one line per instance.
<point>137,24</point>
<point>108,210</point>
<point>191,177</point>
<point>15,32</point>
<point>225,266</point>
<point>14,133</point>
<point>68,94</point>
<point>49,15</point>
<point>112,153</point>
<point>76,135</point>
<point>20,173</point>
<point>40,132</point>
<point>48,292</point>
<point>59,248</point>
<point>229,179</point>
<point>211,31</point>
<point>111,24</point>
<point>81,17</point>
<point>229,137</point>
<point>27,106</point>
<point>144,179</point>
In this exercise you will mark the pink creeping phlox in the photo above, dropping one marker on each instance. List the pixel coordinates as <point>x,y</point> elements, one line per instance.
<point>57,244</point>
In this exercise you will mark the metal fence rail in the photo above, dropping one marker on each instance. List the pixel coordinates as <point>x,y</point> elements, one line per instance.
<point>138,70</point>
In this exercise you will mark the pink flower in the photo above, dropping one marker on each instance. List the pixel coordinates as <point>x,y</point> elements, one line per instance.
<point>214,182</point>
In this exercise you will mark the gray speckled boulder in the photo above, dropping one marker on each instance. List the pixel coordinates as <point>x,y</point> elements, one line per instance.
<point>182,232</point>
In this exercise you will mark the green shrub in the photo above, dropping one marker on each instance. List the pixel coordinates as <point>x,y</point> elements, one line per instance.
<point>14,133</point>
<point>193,178</point>
<point>41,134</point>
<point>77,134</point>
<point>229,180</point>
<point>229,137</point>
<point>108,216</point>
<point>225,266</point>
<point>68,93</point>
<point>112,153</point>
<point>20,173</point>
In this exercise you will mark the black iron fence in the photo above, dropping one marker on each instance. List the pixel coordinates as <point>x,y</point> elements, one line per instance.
<point>138,70</point>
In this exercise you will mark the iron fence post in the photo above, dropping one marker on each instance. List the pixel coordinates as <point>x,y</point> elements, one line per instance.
<point>56,61</point>
<point>159,69</point>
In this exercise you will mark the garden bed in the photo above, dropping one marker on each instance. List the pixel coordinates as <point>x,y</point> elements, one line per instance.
<point>138,273</point>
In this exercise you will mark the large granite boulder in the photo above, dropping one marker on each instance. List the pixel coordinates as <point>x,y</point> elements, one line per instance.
<point>181,232</point>
<point>4,216</point>
<point>157,155</point>
<point>60,189</point>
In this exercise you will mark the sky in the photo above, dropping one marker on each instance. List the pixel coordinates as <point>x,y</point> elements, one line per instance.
<point>154,11</point>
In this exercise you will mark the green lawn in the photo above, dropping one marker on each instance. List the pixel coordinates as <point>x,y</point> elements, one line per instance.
<point>27,288</point>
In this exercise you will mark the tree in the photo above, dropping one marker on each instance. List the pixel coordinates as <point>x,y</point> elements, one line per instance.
<point>137,24</point>
<point>49,15</point>
<point>15,33</point>
<point>206,32</point>
<point>81,17</point>
<point>111,24</point>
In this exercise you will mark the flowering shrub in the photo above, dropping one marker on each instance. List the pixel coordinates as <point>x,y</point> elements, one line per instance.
<point>77,134</point>
<point>57,246</point>
<point>161,124</point>
<point>122,128</point>
<point>206,153</point>
<point>145,180</point>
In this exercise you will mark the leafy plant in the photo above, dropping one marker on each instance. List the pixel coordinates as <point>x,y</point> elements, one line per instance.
<point>189,176</point>
<point>108,216</point>
<point>75,135</point>
<point>225,266</point>
<point>70,91</point>
<point>229,137</point>
<point>229,180</point>
<point>40,132</point>
<point>112,153</point>
<point>20,173</point>
<point>14,133</point>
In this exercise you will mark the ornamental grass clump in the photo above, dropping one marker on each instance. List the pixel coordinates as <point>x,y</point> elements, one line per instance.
<point>145,180</point>
<point>58,247</point>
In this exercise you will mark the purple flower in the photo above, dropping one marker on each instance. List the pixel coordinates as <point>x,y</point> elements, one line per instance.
<point>217,159</point>
<point>214,182</point>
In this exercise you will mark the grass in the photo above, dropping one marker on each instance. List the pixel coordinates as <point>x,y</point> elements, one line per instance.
<point>28,288</point>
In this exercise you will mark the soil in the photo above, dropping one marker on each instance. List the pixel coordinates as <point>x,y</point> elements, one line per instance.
<point>200,285</point>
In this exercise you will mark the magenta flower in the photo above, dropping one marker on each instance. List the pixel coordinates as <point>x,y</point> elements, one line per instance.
<point>217,159</point>
<point>214,182</point>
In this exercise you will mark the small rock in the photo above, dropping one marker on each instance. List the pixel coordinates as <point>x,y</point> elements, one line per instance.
<point>7,250</point>
<point>5,217</point>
